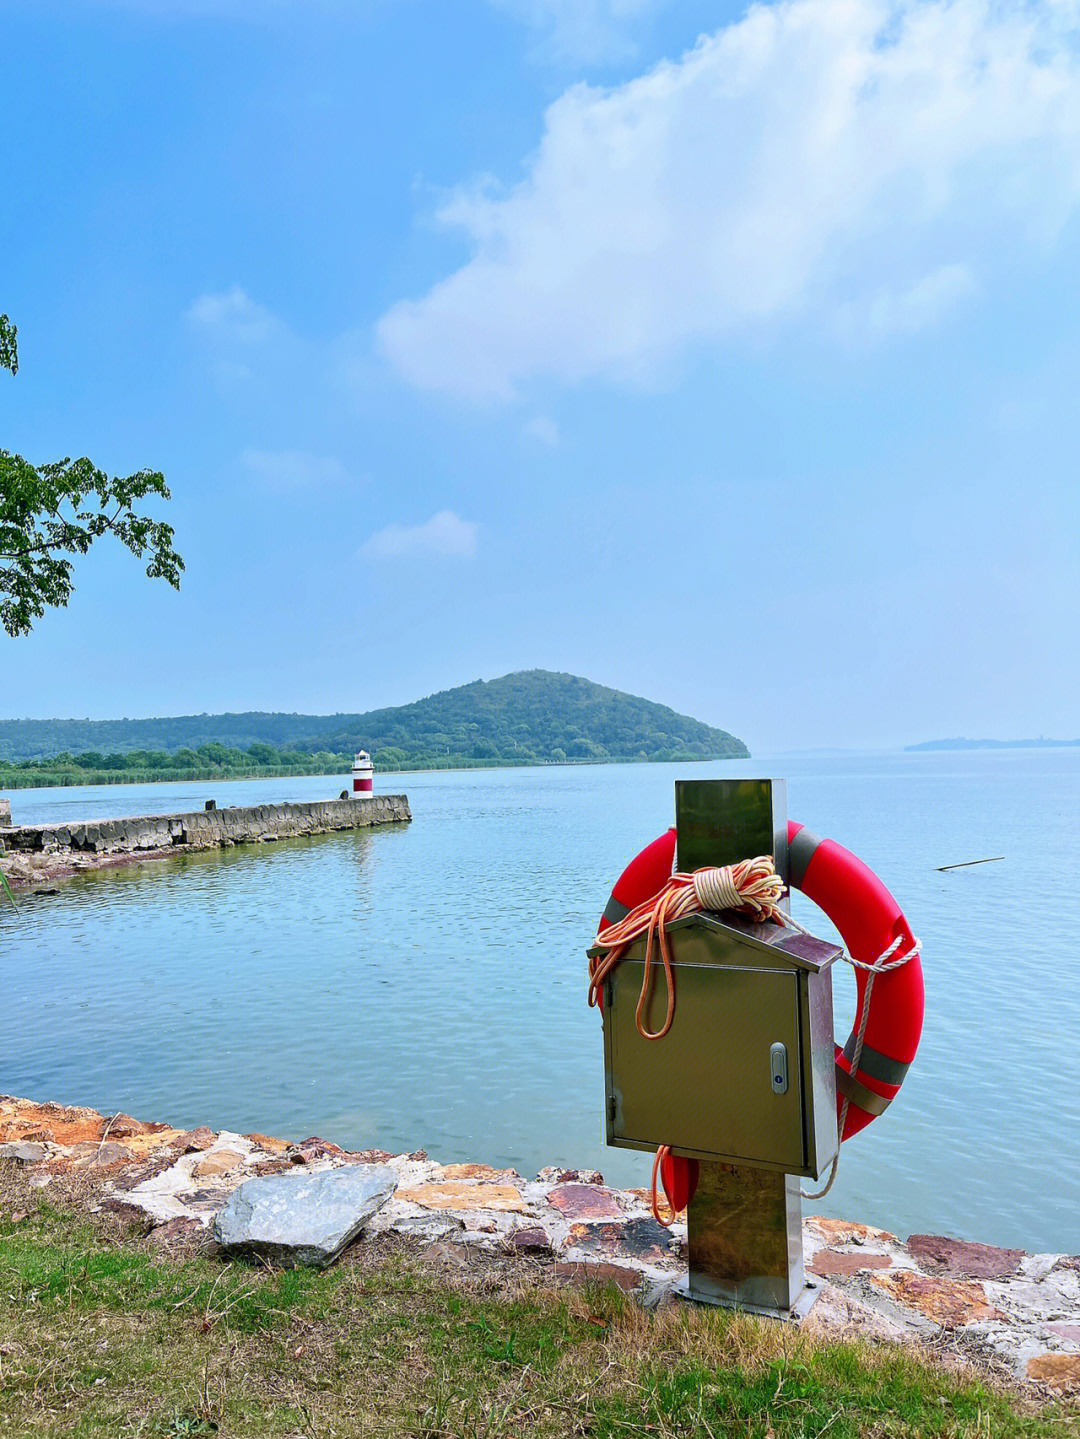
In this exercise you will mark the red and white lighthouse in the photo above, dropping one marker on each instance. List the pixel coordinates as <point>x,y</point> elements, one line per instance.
<point>363,774</point>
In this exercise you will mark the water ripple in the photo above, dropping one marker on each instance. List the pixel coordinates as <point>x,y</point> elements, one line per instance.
<point>423,986</point>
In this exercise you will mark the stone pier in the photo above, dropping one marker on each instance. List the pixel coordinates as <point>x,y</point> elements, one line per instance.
<point>46,851</point>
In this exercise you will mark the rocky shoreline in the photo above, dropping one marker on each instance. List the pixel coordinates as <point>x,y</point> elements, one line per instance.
<point>37,854</point>
<point>1003,1309</point>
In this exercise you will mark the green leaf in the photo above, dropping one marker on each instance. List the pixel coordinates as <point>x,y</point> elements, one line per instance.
<point>7,888</point>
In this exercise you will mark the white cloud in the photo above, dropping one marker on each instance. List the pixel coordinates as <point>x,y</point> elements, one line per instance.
<point>543,428</point>
<point>235,317</point>
<point>247,347</point>
<point>444,534</point>
<point>811,157</point>
<point>924,302</point>
<point>294,469</point>
<point>581,30</point>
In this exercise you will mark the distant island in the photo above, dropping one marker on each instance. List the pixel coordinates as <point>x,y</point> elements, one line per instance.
<point>1040,743</point>
<point>531,717</point>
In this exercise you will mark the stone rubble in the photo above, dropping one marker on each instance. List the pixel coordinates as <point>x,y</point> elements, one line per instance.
<point>1016,1312</point>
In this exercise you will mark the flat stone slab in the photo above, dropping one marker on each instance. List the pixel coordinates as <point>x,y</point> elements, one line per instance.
<point>960,1257</point>
<point>531,1239</point>
<point>302,1219</point>
<point>23,1153</point>
<point>948,1302</point>
<point>480,1171</point>
<point>844,1231</point>
<point>1056,1371</point>
<point>828,1262</point>
<point>585,1201</point>
<point>840,1315</point>
<point>220,1161</point>
<point>578,1271</point>
<point>642,1239</point>
<point>502,1198</point>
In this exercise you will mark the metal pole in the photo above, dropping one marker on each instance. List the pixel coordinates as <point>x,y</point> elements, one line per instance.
<point>744,1224</point>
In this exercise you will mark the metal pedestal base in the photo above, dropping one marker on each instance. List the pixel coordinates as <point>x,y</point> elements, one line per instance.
<point>799,1310</point>
<point>744,1235</point>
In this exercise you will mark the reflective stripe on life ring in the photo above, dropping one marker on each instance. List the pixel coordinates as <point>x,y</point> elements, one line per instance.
<point>643,877</point>
<point>869,920</point>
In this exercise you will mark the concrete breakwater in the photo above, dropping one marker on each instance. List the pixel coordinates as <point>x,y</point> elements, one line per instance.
<point>45,851</point>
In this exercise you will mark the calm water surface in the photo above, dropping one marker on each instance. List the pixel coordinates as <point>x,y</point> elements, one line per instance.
<point>422,986</point>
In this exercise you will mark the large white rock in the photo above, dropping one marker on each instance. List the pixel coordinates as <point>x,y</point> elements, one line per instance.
<point>302,1219</point>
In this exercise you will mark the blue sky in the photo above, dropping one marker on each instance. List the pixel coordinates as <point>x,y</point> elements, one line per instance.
<point>727,357</point>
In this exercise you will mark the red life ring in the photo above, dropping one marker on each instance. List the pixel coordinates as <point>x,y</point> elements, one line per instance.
<point>869,920</point>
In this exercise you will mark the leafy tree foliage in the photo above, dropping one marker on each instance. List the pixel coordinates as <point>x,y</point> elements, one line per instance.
<point>9,348</point>
<point>49,512</point>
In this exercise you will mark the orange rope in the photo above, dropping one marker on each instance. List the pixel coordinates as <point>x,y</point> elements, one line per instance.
<point>751,887</point>
<point>661,1154</point>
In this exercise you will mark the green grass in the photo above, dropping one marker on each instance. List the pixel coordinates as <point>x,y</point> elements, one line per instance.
<point>101,1335</point>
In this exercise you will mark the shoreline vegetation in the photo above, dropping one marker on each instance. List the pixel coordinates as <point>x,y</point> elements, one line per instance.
<point>41,774</point>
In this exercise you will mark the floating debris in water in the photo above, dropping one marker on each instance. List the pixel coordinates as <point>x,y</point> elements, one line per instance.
<point>966,863</point>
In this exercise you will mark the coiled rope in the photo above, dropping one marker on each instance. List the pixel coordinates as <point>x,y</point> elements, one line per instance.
<point>751,887</point>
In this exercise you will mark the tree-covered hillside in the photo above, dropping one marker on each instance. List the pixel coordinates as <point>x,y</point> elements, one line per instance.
<point>534,714</point>
<point>531,716</point>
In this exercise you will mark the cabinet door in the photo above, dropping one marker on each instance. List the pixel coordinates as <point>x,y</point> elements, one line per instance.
<point>708,1085</point>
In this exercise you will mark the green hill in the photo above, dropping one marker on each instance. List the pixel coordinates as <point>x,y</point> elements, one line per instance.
<point>534,716</point>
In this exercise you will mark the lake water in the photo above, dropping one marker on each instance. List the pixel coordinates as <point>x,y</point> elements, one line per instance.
<point>423,986</point>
